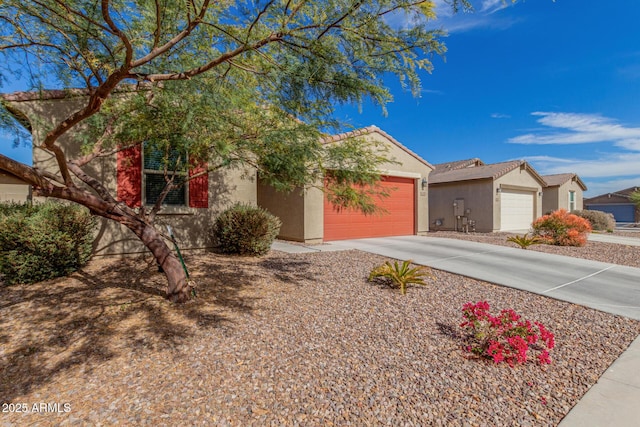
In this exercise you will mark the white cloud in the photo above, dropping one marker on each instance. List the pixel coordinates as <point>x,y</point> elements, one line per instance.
<point>608,166</point>
<point>575,128</point>
<point>546,159</point>
<point>482,17</point>
<point>500,116</point>
<point>432,91</point>
<point>492,6</point>
<point>605,172</point>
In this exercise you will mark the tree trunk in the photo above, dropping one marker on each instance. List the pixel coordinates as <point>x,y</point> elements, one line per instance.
<point>178,287</point>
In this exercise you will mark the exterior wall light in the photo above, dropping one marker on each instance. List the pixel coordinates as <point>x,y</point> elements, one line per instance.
<point>498,190</point>
<point>424,183</point>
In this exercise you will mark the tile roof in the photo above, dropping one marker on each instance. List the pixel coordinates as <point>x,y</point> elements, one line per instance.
<point>561,178</point>
<point>367,131</point>
<point>459,164</point>
<point>47,94</point>
<point>622,196</point>
<point>491,171</point>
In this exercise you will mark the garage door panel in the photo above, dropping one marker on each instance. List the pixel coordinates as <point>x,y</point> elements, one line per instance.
<point>398,220</point>
<point>516,209</point>
<point>622,213</point>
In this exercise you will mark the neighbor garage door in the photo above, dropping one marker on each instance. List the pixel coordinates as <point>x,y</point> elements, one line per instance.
<point>398,221</point>
<point>516,207</point>
<point>622,213</point>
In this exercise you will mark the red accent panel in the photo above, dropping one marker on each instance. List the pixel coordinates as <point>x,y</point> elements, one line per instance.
<point>398,221</point>
<point>129,176</point>
<point>199,188</point>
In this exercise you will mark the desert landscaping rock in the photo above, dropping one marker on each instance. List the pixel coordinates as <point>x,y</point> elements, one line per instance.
<point>285,339</point>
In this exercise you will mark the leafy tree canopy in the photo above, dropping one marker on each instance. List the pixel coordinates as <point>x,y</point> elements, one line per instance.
<point>230,82</point>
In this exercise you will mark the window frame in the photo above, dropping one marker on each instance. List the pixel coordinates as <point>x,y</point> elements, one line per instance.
<point>145,171</point>
<point>572,201</point>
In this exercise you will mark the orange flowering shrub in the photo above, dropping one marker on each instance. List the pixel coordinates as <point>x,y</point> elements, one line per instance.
<point>562,228</point>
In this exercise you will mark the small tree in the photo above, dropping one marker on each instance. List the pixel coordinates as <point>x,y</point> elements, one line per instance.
<point>635,198</point>
<point>245,82</point>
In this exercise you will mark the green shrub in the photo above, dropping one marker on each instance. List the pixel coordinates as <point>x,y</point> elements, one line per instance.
<point>562,228</point>
<point>600,221</point>
<point>43,241</point>
<point>401,275</point>
<point>245,230</point>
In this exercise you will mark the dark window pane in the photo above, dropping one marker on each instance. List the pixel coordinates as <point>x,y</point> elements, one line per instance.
<point>155,183</point>
<point>154,158</point>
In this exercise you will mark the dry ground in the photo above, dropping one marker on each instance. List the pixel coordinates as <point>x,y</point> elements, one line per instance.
<point>282,340</point>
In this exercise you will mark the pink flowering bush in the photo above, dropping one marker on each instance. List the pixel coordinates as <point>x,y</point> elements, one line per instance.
<point>505,337</point>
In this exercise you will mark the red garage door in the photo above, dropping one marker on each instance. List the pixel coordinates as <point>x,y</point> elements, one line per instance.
<point>398,221</point>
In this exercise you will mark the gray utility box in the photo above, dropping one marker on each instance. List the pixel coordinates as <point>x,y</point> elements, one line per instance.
<point>458,207</point>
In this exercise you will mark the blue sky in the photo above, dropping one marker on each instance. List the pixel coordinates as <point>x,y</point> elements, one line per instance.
<point>554,83</point>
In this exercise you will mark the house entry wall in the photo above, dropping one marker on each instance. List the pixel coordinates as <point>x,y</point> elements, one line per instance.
<point>399,220</point>
<point>517,209</point>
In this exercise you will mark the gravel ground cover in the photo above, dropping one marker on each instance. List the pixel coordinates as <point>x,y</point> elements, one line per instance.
<point>283,340</point>
<point>597,251</point>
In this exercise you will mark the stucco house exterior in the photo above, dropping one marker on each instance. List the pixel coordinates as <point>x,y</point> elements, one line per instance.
<point>131,175</point>
<point>617,203</point>
<point>308,217</point>
<point>13,189</point>
<point>563,191</point>
<point>471,195</point>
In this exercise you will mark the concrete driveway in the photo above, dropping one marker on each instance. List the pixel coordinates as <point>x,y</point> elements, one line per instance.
<point>607,287</point>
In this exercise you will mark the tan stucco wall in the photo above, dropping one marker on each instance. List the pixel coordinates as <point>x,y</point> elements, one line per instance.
<point>477,197</point>
<point>191,226</point>
<point>554,198</point>
<point>302,211</point>
<point>481,198</point>
<point>550,199</point>
<point>13,189</point>
<point>518,179</point>
<point>289,207</point>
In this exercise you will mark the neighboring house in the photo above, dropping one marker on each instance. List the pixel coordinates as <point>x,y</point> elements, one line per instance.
<point>618,203</point>
<point>133,175</point>
<point>496,197</point>
<point>13,189</point>
<point>563,191</point>
<point>459,164</point>
<point>308,217</point>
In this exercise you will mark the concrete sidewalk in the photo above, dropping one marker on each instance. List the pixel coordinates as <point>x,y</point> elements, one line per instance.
<point>612,238</point>
<point>299,248</point>
<point>614,399</point>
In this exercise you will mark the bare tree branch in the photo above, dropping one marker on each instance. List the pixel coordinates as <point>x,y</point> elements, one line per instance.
<point>185,75</point>
<point>121,35</point>
<point>174,41</point>
<point>347,13</point>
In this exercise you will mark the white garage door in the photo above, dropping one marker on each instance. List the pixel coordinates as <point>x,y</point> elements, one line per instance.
<point>516,208</point>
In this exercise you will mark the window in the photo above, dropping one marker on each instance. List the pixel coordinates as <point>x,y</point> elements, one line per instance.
<point>155,161</point>
<point>572,201</point>
<point>142,181</point>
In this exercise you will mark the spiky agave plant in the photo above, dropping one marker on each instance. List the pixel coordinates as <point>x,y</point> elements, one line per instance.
<point>524,241</point>
<point>402,274</point>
